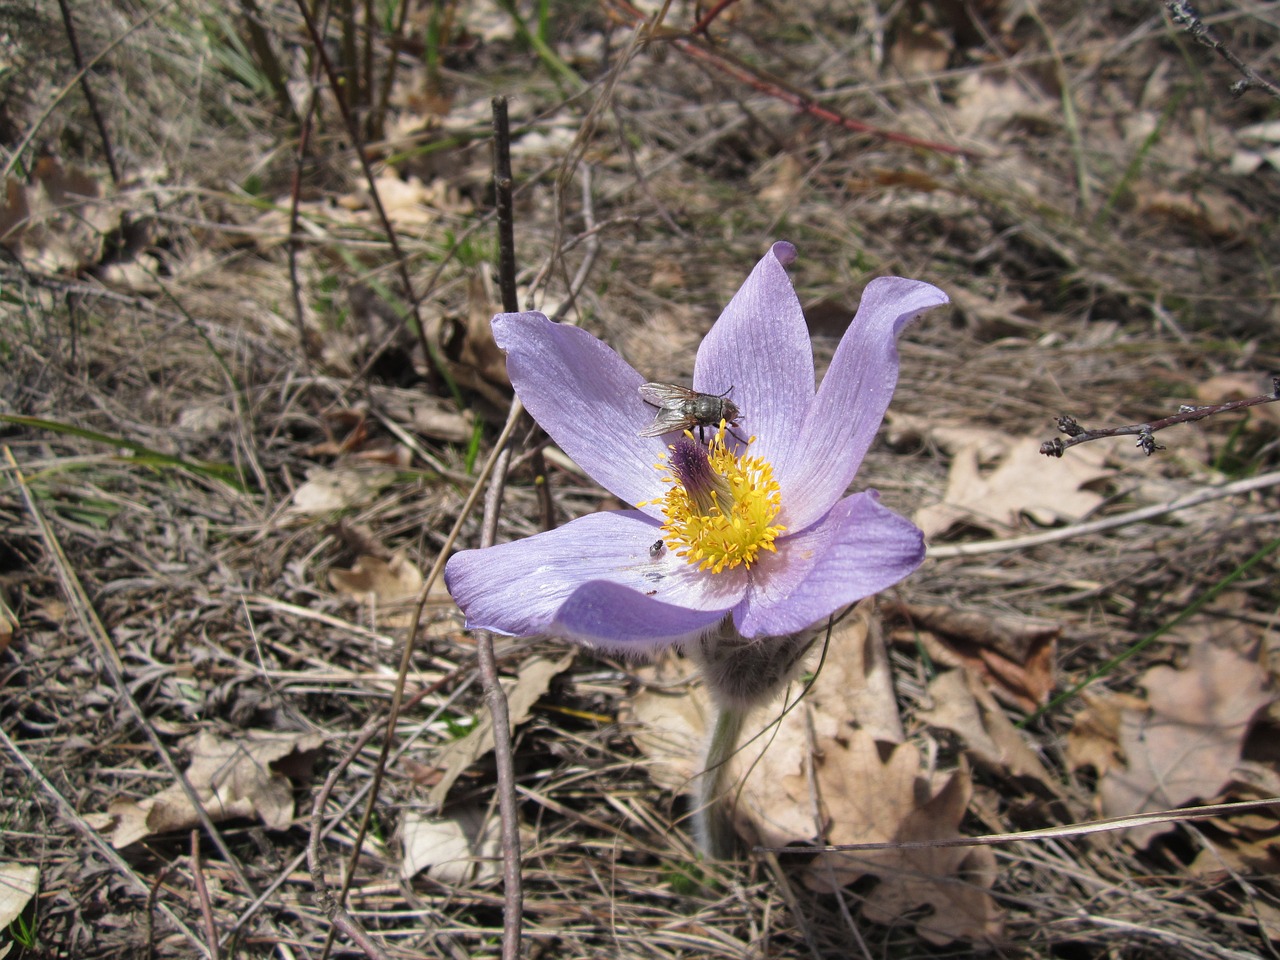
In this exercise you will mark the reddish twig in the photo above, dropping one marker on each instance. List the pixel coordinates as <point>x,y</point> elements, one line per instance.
<point>1145,431</point>
<point>722,61</point>
<point>202,893</point>
<point>700,28</point>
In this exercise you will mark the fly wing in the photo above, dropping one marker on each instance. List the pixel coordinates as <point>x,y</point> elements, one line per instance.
<point>668,420</point>
<point>665,395</point>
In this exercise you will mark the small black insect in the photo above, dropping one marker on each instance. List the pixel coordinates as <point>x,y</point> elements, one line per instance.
<point>655,550</point>
<point>680,408</point>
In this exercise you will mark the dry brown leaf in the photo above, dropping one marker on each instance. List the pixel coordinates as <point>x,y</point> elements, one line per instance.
<point>245,777</point>
<point>985,103</point>
<point>15,213</point>
<point>949,436</point>
<point>61,224</point>
<point>963,706</point>
<point>1189,743</point>
<point>18,884</point>
<point>919,49</point>
<point>1213,214</point>
<point>1223,856</point>
<point>853,690</point>
<point>341,488</point>
<point>1094,737</point>
<point>668,720</point>
<point>8,623</point>
<point>855,685</point>
<point>1005,315</point>
<point>1014,657</point>
<point>462,848</point>
<point>1025,482</point>
<point>409,203</point>
<point>531,682</point>
<point>374,580</point>
<point>867,799</point>
<point>436,418</point>
<point>467,342</point>
<point>1259,912</point>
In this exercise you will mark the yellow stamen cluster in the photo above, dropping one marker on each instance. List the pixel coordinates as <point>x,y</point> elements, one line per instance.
<point>720,514</point>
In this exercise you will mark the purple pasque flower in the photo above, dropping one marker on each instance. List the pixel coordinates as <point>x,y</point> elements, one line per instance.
<point>763,534</point>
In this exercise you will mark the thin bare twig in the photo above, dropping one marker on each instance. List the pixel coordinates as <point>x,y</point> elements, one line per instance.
<point>503,184</point>
<point>202,894</point>
<point>1057,833</point>
<point>705,20</point>
<point>950,550</point>
<point>295,207</point>
<point>1145,431</point>
<point>68,23</point>
<point>357,142</point>
<point>1182,14</point>
<point>495,696</point>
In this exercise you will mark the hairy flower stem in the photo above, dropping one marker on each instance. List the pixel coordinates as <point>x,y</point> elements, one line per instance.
<point>712,820</point>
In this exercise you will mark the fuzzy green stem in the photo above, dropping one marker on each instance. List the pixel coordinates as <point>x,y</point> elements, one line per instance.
<point>712,822</point>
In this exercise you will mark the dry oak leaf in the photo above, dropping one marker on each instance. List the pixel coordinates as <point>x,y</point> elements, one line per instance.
<point>963,706</point>
<point>1024,482</point>
<point>8,623</point>
<point>532,680</point>
<point>245,777</point>
<point>462,848</point>
<point>372,579</point>
<point>342,488</point>
<point>1187,746</point>
<point>18,884</point>
<point>1094,737</point>
<point>867,797</point>
<point>1221,857</point>
<point>1015,657</point>
<point>950,436</point>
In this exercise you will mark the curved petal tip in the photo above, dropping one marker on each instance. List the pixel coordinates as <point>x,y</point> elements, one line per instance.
<point>784,253</point>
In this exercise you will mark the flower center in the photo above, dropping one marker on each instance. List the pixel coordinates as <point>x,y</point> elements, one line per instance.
<point>720,507</point>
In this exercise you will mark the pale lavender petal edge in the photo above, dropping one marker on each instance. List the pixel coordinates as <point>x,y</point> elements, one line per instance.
<point>858,549</point>
<point>520,588</point>
<point>586,397</point>
<point>760,347</point>
<point>616,619</point>
<point>852,399</point>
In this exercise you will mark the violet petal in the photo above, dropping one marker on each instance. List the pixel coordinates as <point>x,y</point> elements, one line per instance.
<point>760,347</point>
<point>585,396</point>
<point>616,619</point>
<point>853,397</point>
<point>859,548</point>
<point>518,588</point>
